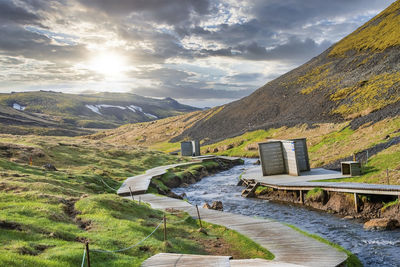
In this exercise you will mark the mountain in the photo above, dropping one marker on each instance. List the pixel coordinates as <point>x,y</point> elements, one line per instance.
<point>344,101</point>
<point>357,79</point>
<point>47,112</point>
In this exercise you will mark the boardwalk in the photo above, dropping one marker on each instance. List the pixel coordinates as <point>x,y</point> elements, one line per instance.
<point>188,260</point>
<point>311,179</point>
<point>182,260</point>
<point>288,245</point>
<point>140,183</point>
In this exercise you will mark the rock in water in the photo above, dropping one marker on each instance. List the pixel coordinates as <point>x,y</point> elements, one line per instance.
<point>257,162</point>
<point>49,167</point>
<point>381,224</point>
<point>217,205</point>
<point>206,206</point>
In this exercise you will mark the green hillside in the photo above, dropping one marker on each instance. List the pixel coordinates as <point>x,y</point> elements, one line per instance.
<point>47,112</point>
<point>345,101</point>
<point>46,216</point>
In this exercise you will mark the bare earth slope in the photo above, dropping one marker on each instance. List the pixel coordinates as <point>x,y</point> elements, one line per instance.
<point>356,79</point>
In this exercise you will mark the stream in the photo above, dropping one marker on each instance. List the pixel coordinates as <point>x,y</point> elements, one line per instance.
<point>373,248</point>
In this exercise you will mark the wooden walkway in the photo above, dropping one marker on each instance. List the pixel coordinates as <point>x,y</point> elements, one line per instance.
<point>139,184</point>
<point>288,245</point>
<point>189,260</point>
<point>311,179</point>
<point>186,260</point>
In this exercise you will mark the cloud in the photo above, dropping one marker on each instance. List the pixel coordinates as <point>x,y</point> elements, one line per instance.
<point>183,85</point>
<point>170,12</point>
<point>9,12</point>
<point>188,49</point>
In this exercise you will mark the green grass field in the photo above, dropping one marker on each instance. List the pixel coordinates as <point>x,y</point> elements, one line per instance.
<point>45,216</point>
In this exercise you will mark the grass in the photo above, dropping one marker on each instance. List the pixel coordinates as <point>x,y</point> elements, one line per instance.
<point>328,143</point>
<point>261,189</point>
<point>84,156</point>
<point>372,94</point>
<point>181,173</point>
<point>242,145</point>
<point>375,170</point>
<point>314,193</point>
<point>166,147</point>
<point>389,204</point>
<point>378,34</point>
<point>46,215</point>
<point>241,245</point>
<point>352,260</point>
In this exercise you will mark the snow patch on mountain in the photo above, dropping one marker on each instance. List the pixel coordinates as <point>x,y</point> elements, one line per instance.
<point>94,108</point>
<point>150,115</point>
<point>133,108</point>
<point>18,106</point>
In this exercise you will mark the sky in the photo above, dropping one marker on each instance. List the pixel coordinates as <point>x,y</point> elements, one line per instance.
<point>201,52</point>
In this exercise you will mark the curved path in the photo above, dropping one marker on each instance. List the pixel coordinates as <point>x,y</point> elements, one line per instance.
<point>288,245</point>
<point>139,184</point>
<point>189,260</point>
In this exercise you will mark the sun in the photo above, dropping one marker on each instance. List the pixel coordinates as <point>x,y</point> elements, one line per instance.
<point>109,64</point>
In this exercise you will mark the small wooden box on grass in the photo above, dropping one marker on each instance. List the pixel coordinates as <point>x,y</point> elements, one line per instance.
<point>352,168</point>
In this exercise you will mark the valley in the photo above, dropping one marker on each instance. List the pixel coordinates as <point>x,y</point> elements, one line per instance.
<point>105,168</point>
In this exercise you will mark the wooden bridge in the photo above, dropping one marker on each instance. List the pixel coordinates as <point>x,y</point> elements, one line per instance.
<point>314,178</point>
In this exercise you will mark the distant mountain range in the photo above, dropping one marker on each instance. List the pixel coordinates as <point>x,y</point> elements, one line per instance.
<point>53,113</point>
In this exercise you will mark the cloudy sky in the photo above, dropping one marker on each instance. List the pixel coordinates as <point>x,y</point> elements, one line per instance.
<point>201,52</point>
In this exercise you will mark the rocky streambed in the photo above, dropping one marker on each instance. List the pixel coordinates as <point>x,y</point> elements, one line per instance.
<point>378,212</point>
<point>374,248</point>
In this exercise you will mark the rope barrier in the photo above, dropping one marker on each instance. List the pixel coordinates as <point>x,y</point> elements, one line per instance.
<point>123,249</point>
<point>107,185</point>
<point>83,258</point>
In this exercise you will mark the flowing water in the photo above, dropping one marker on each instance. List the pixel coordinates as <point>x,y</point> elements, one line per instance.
<point>373,248</point>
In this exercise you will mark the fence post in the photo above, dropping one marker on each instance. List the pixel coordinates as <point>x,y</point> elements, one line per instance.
<point>198,215</point>
<point>165,228</point>
<point>140,200</point>
<point>356,202</point>
<point>87,253</point>
<point>387,176</point>
<point>131,193</point>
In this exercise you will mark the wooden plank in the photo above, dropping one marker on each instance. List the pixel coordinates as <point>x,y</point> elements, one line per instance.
<point>307,182</point>
<point>186,260</point>
<point>288,245</point>
<point>260,263</point>
<point>140,183</point>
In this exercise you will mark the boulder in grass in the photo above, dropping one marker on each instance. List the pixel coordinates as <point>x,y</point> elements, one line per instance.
<point>49,167</point>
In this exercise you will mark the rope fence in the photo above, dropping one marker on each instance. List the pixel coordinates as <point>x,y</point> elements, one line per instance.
<point>135,245</point>
<point>108,185</point>
<point>83,258</point>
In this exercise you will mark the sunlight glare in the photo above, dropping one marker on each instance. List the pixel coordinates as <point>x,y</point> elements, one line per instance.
<point>109,64</point>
